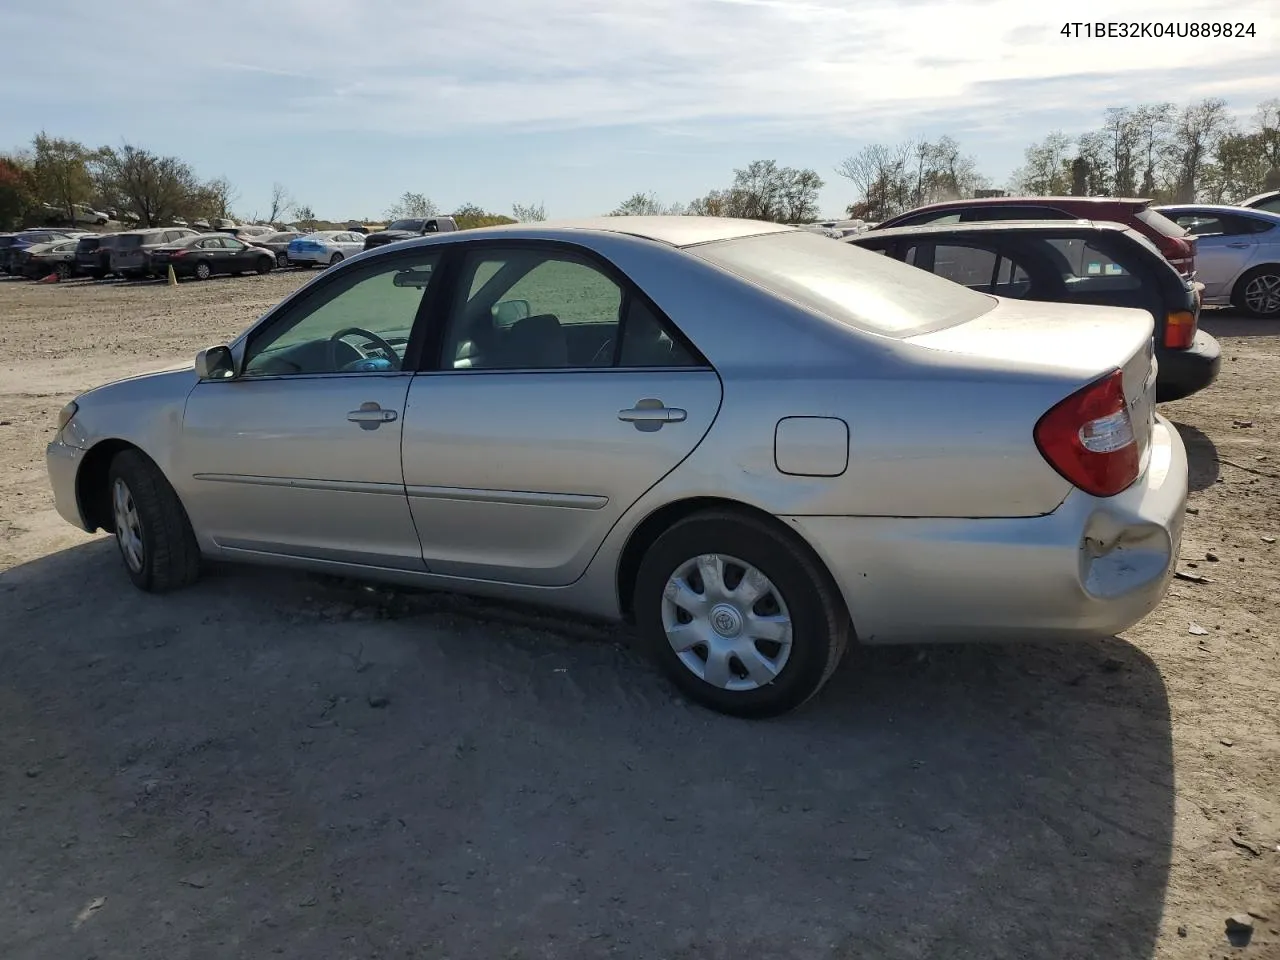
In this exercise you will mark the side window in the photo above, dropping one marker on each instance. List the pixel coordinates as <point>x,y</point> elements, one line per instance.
<point>1087,267</point>
<point>531,310</point>
<point>931,218</point>
<point>1011,280</point>
<point>534,310</point>
<point>989,213</point>
<point>231,243</point>
<point>1271,205</point>
<point>359,322</point>
<point>1201,225</point>
<point>973,266</point>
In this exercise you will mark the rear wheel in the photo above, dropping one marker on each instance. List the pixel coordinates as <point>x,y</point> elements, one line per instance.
<point>336,259</point>
<point>153,533</point>
<point>1257,293</point>
<point>282,260</point>
<point>739,615</point>
<point>203,271</point>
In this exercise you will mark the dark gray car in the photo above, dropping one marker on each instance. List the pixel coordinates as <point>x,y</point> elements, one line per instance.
<point>277,243</point>
<point>131,252</point>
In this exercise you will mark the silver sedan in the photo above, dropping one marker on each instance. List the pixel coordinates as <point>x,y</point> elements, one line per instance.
<point>754,442</point>
<point>1237,255</point>
<point>325,248</point>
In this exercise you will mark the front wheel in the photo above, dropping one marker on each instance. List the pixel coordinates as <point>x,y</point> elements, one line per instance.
<point>282,260</point>
<point>739,615</point>
<point>153,533</point>
<point>264,265</point>
<point>63,270</point>
<point>1257,293</point>
<point>336,259</point>
<point>203,271</point>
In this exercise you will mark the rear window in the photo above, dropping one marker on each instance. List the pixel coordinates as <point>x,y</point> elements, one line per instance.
<point>1158,222</point>
<point>417,226</point>
<point>846,283</point>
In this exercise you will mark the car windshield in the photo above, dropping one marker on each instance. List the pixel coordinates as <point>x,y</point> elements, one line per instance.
<point>848,284</point>
<point>417,226</point>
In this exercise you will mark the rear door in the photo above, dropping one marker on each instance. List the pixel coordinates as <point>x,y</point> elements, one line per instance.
<point>555,396</point>
<point>1225,247</point>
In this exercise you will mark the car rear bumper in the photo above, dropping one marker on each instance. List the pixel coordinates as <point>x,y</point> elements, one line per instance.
<point>1093,567</point>
<point>1184,372</point>
<point>63,462</point>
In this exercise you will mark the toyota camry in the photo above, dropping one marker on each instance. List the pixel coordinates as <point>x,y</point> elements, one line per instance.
<point>756,443</point>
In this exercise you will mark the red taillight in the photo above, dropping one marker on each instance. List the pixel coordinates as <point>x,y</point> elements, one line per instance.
<point>1179,329</point>
<point>1088,438</point>
<point>177,253</point>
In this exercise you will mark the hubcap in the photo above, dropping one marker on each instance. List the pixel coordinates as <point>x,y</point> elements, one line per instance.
<point>128,526</point>
<point>727,622</point>
<point>202,271</point>
<point>1262,295</point>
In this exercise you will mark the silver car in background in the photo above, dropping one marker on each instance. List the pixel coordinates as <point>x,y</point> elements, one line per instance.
<point>324,248</point>
<point>1237,255</point>
<point>754,442</point>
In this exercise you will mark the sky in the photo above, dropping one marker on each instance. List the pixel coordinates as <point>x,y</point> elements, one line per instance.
<point>577,104</point>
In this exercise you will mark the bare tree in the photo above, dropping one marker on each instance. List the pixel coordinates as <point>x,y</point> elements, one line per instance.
<point>412,205</point>
<point>529,212</point>
<point>879,172</point>
<point>646,205</point>
<point>1152,123</point>
<point>61,172</point>
<point>1197,131</point>
<point>281,202</point>
<point>219,196</point>
<point>1046,169</point>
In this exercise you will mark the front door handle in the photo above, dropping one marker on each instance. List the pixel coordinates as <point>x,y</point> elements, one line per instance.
<point>371,415</point>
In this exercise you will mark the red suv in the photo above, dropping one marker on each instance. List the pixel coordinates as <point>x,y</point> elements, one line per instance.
<point>1177,245</point>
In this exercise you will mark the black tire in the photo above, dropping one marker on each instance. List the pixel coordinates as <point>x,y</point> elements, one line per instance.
<point>202,270</point>
<point>336,259</point>
<point>265,265</point>
<point>170,556</point>
<point>1268,274</point>
<point>282,260</point>
<point>63,270</point>
<point>820,624</point>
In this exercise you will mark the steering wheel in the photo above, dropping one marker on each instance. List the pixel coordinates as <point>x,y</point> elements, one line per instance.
<point>376,340</point>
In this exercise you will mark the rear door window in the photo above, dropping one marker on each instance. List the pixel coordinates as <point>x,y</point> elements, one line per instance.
<point>1087,267</point>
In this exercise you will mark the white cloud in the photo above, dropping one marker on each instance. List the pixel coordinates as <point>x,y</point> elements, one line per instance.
<point>417,68</point>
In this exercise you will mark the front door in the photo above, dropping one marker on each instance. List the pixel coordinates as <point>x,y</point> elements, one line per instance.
<point>561,395</point>
<point>299,455</point>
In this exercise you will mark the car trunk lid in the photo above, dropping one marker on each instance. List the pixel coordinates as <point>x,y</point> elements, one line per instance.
<point>1078,343</point>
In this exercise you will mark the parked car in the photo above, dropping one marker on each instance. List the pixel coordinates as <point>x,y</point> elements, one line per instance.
<point>83,214</point>
<point>248,232</point>
<point>278,244</point>
<point>1178,247</point>
<point>201,225</point>
<point>1102,264</point>
<point>1237,255</point>
<point>754,441</point>
<point>408,229</point>
<point>1269,201</point>
<point>205,254</point>
<point>324,248</point>
<point>43,259</point>
<point>9,246</point>
<point>131,252</point>
<point>93,254</point>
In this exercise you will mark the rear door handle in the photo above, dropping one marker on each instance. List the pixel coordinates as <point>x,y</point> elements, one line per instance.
<point>651,414</point>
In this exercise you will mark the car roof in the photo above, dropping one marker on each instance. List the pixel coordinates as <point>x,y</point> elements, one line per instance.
<point>1265,195</point>
<point>674,231</point>
<point>995,226</point>
<point>1019,201</point>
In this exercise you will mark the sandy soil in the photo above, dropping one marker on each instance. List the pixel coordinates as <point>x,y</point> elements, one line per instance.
<point>270,764</point>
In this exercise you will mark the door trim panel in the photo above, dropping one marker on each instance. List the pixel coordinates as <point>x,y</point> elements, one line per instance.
<point>572,501</point>
<point>302,483</point>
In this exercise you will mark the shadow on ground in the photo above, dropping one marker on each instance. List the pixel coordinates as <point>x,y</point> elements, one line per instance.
<point>1229,322</point>
<point>1202,457</point>
<point>269,765</point>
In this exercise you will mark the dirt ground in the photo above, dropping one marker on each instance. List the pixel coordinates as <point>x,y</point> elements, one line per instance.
<point>271,764</point>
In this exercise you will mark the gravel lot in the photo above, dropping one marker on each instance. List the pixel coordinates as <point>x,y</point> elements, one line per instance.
<point>271,764</point>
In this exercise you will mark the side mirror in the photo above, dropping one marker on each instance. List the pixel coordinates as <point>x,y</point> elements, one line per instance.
<point>507,312</point>
<point>215,363</point>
